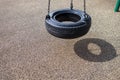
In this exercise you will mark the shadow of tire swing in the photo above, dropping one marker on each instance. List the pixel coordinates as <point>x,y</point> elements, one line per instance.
<point>107,53</point>
<point>68,23</point>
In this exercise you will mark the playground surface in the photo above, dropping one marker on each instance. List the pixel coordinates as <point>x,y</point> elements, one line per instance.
<point>29,52</point>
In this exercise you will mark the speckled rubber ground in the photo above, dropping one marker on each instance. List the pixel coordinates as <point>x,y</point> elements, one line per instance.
<point>29,52</point>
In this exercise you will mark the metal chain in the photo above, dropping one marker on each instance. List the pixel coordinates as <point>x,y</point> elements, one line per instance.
<point>49,6</point>
<point>84,6</point>
<point>71,6</point>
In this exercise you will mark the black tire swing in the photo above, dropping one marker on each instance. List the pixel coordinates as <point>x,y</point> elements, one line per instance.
<point>68,23</point>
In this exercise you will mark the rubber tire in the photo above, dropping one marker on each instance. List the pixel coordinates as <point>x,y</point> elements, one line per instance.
<point>68,31</point>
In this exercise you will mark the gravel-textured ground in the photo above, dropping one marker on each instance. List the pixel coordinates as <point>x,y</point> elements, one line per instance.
<point>29,52</point>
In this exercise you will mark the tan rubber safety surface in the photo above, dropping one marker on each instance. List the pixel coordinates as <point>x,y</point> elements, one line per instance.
<point>29,52</point>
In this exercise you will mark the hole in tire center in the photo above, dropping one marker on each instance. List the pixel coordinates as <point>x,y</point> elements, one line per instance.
<point>67,18</point>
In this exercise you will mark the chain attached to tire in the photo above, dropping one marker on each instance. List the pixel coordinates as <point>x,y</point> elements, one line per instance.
<point>49,6</point>
<point>85,6</point>
<point>71,6</point>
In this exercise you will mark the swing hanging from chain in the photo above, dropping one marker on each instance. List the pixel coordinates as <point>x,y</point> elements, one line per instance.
<point>68,23</point>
